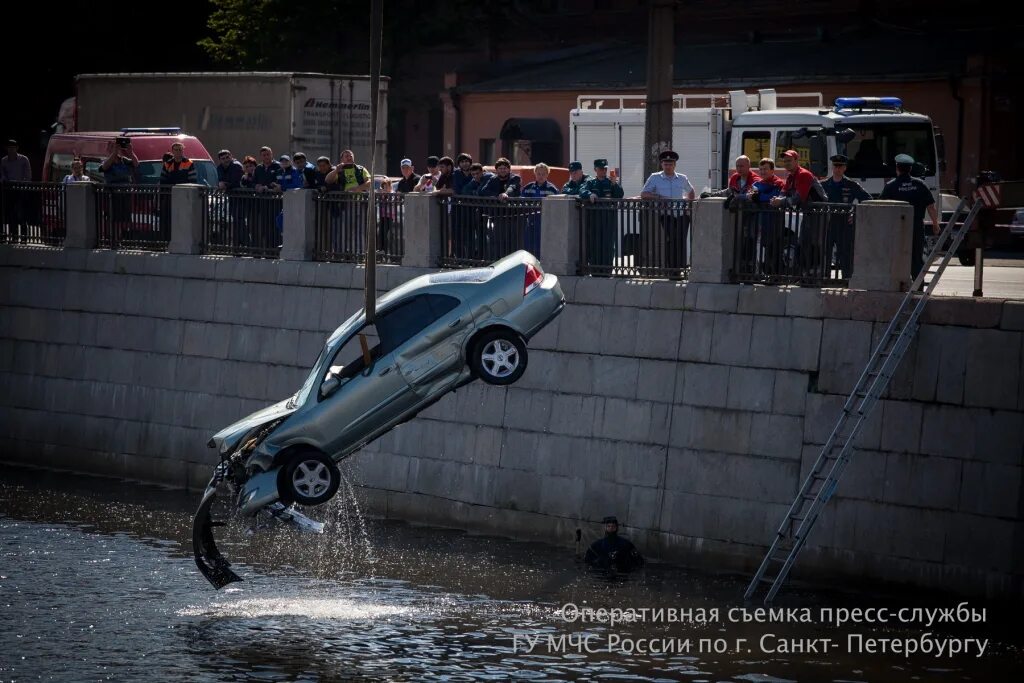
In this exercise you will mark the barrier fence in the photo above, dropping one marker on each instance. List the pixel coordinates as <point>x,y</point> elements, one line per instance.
<point>32,213</point>
<point>243,223</point>
<point>341,217</point>
<point>635,238</point>
<point>477,231</point>
<point>133,216</point>
<point>812,245</point>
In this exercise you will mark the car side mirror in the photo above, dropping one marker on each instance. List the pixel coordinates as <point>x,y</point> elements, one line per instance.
<point>330,385</point>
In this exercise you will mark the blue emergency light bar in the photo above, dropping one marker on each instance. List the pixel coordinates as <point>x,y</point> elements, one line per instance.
<point>152,131</point>
<point>869,103</point>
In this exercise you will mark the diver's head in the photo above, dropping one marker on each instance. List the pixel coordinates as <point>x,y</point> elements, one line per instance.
<point>611,525</point>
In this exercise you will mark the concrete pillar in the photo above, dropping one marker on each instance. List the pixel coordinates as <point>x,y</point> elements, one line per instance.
<point>559,235</point>
<point>422,230</point>
<point>883,235</point>
<point>660,56</point>
<point>188,208</point>
<point>713,241</point>
<point>299,225</point>
<point>80,216</point>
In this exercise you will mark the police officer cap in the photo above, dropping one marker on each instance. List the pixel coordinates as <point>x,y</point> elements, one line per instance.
<point>668,155</point>
<point>600,163</point>
<point>575,166</point>
<point>904,159</point>
<point>839,159</point>
<point>610,519</point>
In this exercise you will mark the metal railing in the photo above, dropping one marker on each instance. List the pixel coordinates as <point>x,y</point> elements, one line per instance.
<point>341,227</point>
<point>635,238</point>
<point>133,216</point>
<point>243,222</point>
<point>32,213</point>
<point>477,231</point>
<point>812,245</point>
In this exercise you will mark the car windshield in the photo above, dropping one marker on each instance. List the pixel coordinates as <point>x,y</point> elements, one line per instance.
<point>876,145</point>
<point>206,172</point>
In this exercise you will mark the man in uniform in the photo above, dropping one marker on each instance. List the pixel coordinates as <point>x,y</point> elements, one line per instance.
<point>841,190</point>
<point>906,188</point>
<point>675,223</point>
<point>576,179</point>
<point>613,552</point>
<point>600,232</point>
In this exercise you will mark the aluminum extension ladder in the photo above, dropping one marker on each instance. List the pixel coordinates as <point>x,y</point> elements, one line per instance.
<point>821,483</point>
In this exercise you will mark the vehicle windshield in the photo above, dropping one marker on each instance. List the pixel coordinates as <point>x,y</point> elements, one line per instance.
<point>875,146</point>
<point>206,172</point>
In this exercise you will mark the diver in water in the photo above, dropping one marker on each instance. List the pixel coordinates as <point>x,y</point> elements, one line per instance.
<point>613,552</point>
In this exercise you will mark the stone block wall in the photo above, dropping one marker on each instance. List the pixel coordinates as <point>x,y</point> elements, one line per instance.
<point>691,411</point>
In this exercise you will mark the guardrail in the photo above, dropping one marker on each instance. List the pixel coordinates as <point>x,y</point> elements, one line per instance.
<point>32,213</point>
<point>243,222</point>
<point>133,216</point>
<point>635,238</point>
<point>811,246</point>
<point>476,231</point>
<point>341,226</point>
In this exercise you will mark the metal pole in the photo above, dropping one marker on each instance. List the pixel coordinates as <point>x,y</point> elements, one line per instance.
<point>370,285</point>
<point>979,269</point>
<point>660,56</point>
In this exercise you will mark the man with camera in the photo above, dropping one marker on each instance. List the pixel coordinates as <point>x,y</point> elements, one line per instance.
<point>119,169</point>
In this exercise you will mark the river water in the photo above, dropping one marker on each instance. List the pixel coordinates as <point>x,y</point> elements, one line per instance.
<point>97,582</point>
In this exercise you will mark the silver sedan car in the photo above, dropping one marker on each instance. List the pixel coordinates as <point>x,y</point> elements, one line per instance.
<point>430,336</point>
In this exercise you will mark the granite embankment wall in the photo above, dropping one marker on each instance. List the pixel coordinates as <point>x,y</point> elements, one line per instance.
<point>692,411</point>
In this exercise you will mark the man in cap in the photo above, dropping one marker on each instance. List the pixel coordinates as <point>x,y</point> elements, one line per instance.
<point>841,190</point>
<point>409,177</point>
<point>600,233</point>
<point>290,177</point>
<point>576,179</point>
<point>613,552</point>
<point>906,188</point>
<point>802,187</point>
<point>669,185</point>
<point>15,168</point>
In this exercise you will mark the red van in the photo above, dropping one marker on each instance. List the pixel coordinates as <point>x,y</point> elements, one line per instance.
<point>149,144</point>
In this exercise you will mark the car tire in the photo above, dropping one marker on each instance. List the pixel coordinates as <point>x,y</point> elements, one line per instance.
<point>966,257</point>
<point>499,357</point>
<point>308,478</point>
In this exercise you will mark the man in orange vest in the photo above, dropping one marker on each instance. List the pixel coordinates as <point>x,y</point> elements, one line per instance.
<point>178,169</point>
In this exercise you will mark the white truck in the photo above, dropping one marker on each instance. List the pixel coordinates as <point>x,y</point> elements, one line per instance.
<point>871,131</point>
<point>319,114</point>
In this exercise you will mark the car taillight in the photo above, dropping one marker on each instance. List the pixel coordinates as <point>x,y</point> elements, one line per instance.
<point>533,277</point>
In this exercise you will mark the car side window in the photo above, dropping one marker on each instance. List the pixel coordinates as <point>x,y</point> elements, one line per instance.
<point>402,323</point>
<point>350,359</point>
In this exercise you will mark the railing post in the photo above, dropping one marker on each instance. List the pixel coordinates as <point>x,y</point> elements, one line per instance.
<point>713,242</point>
<point>299,225</point>
<point>422,230</point>
<point>882,244</point>
<point>560,234</point>
<point>80,216</point>
<point>188,208</point>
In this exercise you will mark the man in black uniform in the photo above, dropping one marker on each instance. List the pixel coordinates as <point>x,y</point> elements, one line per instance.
<point>906,188</point>
<point>613,552</point>
<point>841,190</point>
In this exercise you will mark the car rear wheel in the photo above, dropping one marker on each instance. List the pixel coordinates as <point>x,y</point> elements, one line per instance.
<point>499,357</point>
<point>308,478</point>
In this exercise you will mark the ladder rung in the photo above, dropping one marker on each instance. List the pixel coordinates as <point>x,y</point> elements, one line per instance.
<point>766,579</point>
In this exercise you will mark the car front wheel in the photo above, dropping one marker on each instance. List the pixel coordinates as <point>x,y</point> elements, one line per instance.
<point>308,478</point>
<point>499,357</point>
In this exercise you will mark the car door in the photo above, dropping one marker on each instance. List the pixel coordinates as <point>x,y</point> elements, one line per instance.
<point>367,395</point>
<point>431,360</point>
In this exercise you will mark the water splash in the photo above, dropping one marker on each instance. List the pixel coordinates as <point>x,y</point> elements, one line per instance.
<point>316,608</point>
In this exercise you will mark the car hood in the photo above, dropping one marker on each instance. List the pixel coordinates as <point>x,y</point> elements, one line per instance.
<point>227,439</point>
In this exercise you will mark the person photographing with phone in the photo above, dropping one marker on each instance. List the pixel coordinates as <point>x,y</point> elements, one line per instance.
<point>120,168</point>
